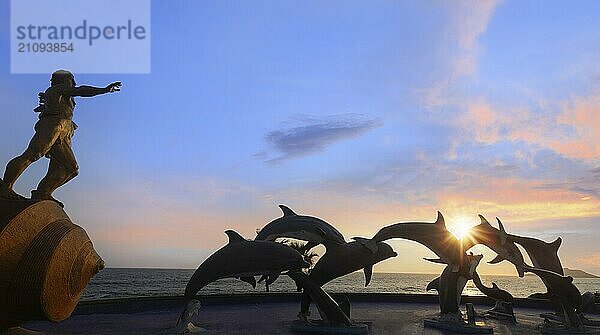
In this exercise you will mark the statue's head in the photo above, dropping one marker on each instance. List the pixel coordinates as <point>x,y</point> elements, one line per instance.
<point>62,77</point>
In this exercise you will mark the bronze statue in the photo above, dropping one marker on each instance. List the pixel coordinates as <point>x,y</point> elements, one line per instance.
<point>52,137</point>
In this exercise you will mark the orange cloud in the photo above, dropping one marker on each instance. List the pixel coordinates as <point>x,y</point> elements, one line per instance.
<point>583,115</point>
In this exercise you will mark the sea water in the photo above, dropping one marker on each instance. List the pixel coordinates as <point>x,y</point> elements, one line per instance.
<point>122,283</point>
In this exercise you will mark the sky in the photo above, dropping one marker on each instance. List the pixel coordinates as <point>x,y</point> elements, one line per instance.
<point>358,112</point>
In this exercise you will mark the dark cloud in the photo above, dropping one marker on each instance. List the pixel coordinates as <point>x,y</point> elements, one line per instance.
<point>311,135</point>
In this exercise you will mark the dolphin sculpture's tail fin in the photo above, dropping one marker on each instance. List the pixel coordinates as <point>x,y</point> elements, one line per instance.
<point>368,274</point>
<point>503,234</point>
<point>268,279</point>
<point>367,243</point>
<point>434,285</point>
<point>191,308</point>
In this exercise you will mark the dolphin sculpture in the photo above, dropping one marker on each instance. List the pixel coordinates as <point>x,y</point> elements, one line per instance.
<point>497,240</point>
<point>240,258</point>
<point>433,235</point>
<point>347,258</point>
<point>342,260</point>
<point>543,255</point>
<point>451,284</point>
<point>302,227</point>
<point>493,292</point>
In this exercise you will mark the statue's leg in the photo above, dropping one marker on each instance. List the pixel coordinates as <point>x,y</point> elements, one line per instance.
<point>42,141</point>
<point>63,167</point>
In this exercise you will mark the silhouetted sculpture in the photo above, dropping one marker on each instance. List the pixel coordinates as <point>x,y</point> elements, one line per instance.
<point>567,300</point>
<point>242,259</point>
<point>46,262</point>
<point>503,308</point>
<point>497,240</point>
<point>302,227</point>
<point>452,252</point>
<point>52,137</point>
<point>341,260</point>
<point>310,229</point>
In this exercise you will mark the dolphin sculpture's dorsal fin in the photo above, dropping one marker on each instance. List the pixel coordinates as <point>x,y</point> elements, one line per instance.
<point>368,274</point>
<point>234,237</point>
<point>440,219</point>
<point>556,244</point>
<point>503,235</point>
<point>286,210</point>
<point>494,286</point>
<point>367,243</point>
<point>484,220</point>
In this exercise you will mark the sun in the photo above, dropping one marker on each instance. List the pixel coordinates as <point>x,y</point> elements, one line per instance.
<point>460,228</point>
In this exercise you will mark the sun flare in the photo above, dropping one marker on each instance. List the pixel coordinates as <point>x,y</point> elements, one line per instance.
<point>460,228</point>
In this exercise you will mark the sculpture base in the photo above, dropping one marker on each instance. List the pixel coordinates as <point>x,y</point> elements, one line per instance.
<point>557,328</point>
<point>19,331</point>
<point>458,327</point>
<point>320,327</point>
<point>561,319</point>
<point>502,311</point>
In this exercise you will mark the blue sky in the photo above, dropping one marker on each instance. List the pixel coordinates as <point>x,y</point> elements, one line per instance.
<point>361,113</point>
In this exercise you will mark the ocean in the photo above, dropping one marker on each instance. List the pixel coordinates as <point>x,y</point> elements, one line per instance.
<point>113,283</point>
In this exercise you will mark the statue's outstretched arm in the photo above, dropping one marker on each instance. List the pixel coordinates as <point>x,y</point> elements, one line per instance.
<point>90,91</point>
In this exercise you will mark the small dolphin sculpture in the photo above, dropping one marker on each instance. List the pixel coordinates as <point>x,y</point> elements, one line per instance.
<point>240,258</point>
<point>493,292</point>
<point>433,235</point>
<point>302,227</point>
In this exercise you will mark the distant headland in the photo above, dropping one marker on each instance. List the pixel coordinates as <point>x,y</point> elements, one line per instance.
<point>578,273</point>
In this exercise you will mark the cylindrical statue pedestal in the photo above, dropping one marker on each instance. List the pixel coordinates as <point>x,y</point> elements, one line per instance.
<point>46,261</point>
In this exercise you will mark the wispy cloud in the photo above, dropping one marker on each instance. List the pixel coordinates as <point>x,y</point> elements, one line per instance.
<point>308,135</point>
<point>467,22</point>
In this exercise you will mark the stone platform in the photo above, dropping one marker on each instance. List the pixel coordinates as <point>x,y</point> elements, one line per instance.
<point>268,314</point>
